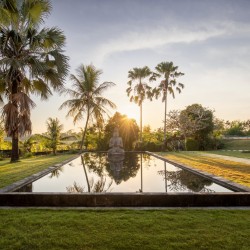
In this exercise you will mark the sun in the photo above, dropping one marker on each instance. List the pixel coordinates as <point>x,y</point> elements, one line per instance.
<point>131,112</point>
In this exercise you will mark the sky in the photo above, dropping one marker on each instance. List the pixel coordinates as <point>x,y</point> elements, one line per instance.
<point>208,40</point>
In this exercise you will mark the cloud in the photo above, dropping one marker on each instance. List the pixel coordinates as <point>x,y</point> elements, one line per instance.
<point>155,37</point>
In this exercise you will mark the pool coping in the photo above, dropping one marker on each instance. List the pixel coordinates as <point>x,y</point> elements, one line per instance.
<point>216,179</point>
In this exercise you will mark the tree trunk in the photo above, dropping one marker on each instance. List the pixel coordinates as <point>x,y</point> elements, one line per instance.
<point>165,120</point>
<point>141,123</point>
<point>15,148</point>
<point>14,132</point>
<point>84,132</point>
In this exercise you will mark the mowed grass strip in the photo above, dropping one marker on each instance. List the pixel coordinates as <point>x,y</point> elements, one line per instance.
<point>231,170</point>
<point>11,172</point>
<point>238,154</point>
<point>124,229</point>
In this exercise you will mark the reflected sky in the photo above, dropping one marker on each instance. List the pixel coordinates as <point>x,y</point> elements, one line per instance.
<point>130,173</point>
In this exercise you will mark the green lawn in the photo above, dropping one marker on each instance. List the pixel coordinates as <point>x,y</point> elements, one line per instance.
<point>124,229</point>
<point>231,170</point>
<point>11,172</point>
<point>238,154</point>
<point>236,144</point>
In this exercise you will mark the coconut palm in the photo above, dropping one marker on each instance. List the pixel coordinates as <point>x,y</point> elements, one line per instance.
<point>169,84</point>
<point>141,90</point>
<point>54,130</point>
<point>87,97</point>
<point>31,62</point>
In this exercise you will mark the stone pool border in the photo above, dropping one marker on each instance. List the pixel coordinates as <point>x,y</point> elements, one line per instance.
<point>14,199</point>
<point>219,180</point>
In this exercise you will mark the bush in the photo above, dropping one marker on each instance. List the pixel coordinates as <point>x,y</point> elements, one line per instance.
<point>192,145</point>
<point>27,155</point>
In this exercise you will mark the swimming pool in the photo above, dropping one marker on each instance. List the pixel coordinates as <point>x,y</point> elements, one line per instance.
<point>130,173</point>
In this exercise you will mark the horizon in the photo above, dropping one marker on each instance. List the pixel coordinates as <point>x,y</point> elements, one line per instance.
<point>209,41</point>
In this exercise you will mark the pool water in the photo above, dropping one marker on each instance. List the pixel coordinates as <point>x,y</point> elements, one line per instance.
<point>133,172</point>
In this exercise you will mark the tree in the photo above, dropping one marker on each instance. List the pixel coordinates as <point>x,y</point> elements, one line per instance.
<point>1,131</point>
<point>128,130</point>
<point>197,122</point>
<point>54,130</point>
<point>141,90</point>
<point>87,97</point>
<point>32,62</point>
<point>169,84</point>
<point>194,122</point>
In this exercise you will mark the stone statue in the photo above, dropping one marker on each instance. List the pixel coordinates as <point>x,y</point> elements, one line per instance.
<point>115,143</point>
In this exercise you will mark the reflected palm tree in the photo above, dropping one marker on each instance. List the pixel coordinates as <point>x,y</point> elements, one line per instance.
<point>75,188</point>
<point>99,185</point>
<point>56,172</point>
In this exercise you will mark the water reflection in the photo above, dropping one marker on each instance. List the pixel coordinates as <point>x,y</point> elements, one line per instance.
<point>181,180</point>
<point>56,172</point>
<point>121,168</point>
<point>132,172</point>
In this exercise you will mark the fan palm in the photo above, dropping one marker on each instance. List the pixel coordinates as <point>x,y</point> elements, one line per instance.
<point>87,97</point>
<point>169,84</point>
<point>141,90</point>
<point>31,62</point>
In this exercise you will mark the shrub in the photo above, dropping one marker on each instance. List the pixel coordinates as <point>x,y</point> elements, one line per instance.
<point>192,145</point>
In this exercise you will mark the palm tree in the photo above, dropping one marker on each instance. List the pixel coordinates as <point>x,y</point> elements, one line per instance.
<point>169,84</point>
<point>141,90</point>
<point>32,62</point>
<point>87,97</point>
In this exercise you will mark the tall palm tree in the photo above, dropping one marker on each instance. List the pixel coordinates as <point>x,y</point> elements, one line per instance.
<point>141,90</point>
<point>54,130</point>
<point>87,97</point>
<point>169,84</point>
<point>31,62</point>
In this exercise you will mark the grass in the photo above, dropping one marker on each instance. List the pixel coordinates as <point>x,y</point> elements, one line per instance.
<point>237,154</point>
<point>124,229</point>
<point>231,170</point>
<point>12,172</point>
<point>237,144</point>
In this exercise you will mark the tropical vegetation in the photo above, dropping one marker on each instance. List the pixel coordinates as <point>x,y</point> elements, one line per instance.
<point>86,97</point>
<point>141,89</point>
<point>31,62</point>
<point>168,85</point>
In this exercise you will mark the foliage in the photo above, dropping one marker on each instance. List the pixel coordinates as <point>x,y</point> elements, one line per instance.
<point>194,122</point>
<point>54,129</point>
<point>128,130</point>
<point>169,84</point>
<point>192,144</point>
<point>87,97</point>
<point>141,90</point>
<point>185,229</point>
<point>237,128</point>
<point>32,62</point>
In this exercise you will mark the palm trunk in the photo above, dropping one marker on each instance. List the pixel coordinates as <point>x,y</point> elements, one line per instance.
<point>84,132</point>
<point>165,120</point>
<point>14,132</point>
<point>141,123</point>
<point>15,148</point>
